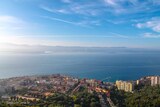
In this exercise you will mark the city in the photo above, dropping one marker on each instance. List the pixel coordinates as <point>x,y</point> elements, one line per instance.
<point>40,90</point>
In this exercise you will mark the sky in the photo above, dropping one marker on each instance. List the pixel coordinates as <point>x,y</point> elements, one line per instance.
<point>100,23</point>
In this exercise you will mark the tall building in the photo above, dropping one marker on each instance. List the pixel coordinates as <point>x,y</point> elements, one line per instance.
<point>129,87</point>
<point>144,81</point>
<point>155,80</point>
<point>125,85</point>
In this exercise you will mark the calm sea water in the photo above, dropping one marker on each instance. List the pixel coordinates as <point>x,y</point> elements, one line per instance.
<point>97,66</point>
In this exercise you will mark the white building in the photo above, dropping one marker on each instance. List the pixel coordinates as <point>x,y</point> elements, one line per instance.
<point>125,85</point>
<point>155,80</point>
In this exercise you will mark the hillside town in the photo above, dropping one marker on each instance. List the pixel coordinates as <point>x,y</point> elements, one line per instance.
<point>129,86</point>
<point>30,89</point>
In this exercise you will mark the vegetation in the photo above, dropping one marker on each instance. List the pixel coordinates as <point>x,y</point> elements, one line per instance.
<point>84,99</point>
<point>80,99</point>
<point>118,97</point>
<point>59,100</point>
<point>148,96</point>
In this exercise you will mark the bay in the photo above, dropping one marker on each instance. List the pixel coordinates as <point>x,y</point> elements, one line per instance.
<point>107,67</point>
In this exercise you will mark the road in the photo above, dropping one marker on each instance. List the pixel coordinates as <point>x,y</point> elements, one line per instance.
<point>102,101</point>
<point>76,88</point>
<point>110,102</point>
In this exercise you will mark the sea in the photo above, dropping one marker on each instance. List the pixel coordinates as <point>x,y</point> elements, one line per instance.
<point>105,67</point>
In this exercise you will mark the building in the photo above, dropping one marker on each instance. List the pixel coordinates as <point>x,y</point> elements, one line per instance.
<point>155,80</point>
<point>129,87</point>
<point>144,81</point>
<point>125,85</point>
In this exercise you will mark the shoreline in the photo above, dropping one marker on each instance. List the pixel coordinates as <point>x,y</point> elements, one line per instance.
<point>70,76</point>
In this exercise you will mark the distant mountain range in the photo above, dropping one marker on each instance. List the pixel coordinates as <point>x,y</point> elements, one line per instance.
<point>42,49</point>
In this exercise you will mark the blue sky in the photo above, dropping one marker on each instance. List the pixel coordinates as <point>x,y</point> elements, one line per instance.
<point>106,23</point>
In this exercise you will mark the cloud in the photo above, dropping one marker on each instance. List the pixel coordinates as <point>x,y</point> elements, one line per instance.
<point>10,19</point>
<point>151,35</point>
<point>131,6</point>
<point>115,6</point>
<point>11,23</point>
<point>60,20</point>
<point>82,23</point>
<point>153,24</point>
<point>111,2</point>
<point>26,40</point>
<point>104,7</point>
<point>64,11</point>
<point>119,35</point>
<point>112,11</point>
<point>156,1</point>
<point>90,9</point>
<point>117,21</point>
<point>66,1</point>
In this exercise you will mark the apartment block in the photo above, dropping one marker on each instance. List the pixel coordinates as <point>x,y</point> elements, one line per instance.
<point>125,85</point>
<point>155,80</point>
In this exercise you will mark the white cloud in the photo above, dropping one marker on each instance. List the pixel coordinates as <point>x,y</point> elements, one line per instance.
<point>24,40</point>
<point>8,42</point>
<point>151,35</point>
<point>60,20</point>
<point>102,7</point>
<point>130,6</point>
<point>67,1</point>
<point>10,19</point>
<point>54,10</point>
<point>116,21</point>
<point>98,7</point>
<point>115,6</point>
<point>90,9</point>
<point>153,24</point>
<point>156,1</point>
<point>111,2</point>
<point>11,23</point>
<point>82,23</point>
<point>119,35</point>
